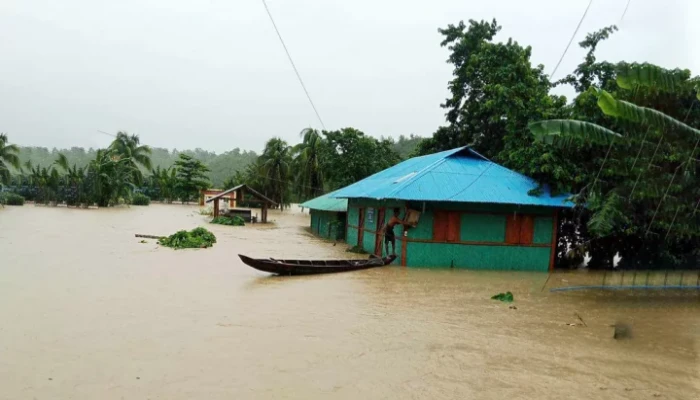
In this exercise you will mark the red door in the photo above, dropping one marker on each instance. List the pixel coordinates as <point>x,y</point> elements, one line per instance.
<point>380,234</point>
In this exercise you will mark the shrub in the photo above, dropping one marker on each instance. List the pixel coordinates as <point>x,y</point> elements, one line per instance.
<point>235,221</point>
<point>11,199</point>
<point>197,238</point>
<point>140,199</point>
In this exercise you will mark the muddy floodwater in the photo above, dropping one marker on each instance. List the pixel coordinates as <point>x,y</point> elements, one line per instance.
<point>89,312</point>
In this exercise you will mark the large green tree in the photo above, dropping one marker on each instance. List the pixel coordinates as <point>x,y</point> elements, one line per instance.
<point>191,177</point>
<point>350,156</point>
<point>494,93</point>
<point>641,191</point>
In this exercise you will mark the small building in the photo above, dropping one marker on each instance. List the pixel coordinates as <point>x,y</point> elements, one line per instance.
<point>235,195</point>
<point>470,213</point>
<point>328,215</point>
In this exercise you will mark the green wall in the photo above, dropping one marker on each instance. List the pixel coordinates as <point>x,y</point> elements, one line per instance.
<point>328,224</point>
<point>486,224</point>
<point>432,255</point>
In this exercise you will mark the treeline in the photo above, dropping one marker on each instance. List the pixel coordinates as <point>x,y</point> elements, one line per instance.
<point>322,162</point>
<point>113,176</point>
<point>624,146</point>
<point>221,166</point>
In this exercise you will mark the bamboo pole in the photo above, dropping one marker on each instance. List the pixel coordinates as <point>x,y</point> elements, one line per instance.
<point>148,236</point>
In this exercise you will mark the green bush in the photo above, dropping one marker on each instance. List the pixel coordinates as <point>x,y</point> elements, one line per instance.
<point>140,199</point>
<point>235,221</point>
<point>11,199</point>
<point>198,238</point>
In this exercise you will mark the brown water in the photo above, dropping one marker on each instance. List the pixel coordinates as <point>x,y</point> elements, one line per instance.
<point>88,312</point>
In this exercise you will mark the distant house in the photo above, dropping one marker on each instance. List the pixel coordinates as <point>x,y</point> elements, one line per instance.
<point>472,213</point>
<point>328,215</point>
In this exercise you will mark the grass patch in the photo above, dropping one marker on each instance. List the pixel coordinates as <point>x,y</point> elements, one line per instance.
<point>198,238</point>
<point>140,199</point>
<point>11,199</point>
<point>235,221</point>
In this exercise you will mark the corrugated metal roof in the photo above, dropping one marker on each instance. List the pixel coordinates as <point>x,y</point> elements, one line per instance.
<point>252,191</point>
<point>457,175</point>
<point>327,203</point>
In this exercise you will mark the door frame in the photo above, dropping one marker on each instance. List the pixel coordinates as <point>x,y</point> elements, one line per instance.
<point>378,238</point>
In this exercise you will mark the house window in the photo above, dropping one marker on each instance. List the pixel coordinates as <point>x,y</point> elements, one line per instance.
<point>446,226</point>
<point>520,229</point>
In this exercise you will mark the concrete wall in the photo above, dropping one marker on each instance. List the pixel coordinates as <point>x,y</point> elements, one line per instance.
<point>482,236</point>
<point>328,224</point>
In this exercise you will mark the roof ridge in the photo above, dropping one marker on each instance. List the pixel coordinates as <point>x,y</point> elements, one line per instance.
<point>426,169</point>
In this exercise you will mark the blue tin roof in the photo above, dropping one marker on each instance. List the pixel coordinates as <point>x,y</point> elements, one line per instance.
<point>458,175</point>
<point>327,203</point>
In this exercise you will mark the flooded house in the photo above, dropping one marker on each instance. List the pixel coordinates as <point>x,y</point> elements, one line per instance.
<point>468,211</point>
<point>328,216</point>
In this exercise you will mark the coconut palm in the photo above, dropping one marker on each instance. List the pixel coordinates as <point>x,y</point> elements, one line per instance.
<point>275,162</point>
<point>129,146</point>
<point>308,156</point>
<point>112,177</point>
<point>8,157</point>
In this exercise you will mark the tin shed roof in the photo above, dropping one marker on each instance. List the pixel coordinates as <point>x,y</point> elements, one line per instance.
<point>327,203</point>
<point>457,175</point>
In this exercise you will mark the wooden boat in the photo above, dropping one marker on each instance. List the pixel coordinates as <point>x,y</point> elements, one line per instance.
<point>308,267</point>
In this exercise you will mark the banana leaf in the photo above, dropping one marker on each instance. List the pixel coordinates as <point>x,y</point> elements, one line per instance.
<point>642,115</point>
<point>562,131</point>
<point>632,75</point>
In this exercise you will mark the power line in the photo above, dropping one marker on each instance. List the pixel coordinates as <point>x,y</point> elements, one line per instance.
<point>107,133</point>
<point>625,12</point>
<point>289,56</point>
<point>571,40</point>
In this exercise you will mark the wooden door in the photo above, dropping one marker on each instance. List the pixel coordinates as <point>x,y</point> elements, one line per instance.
<point>440,226</point>
<point>512,229</point>
<point>527,229</point>
<point>453,226</point>
<point>520,229</point>
<point>380,234</point>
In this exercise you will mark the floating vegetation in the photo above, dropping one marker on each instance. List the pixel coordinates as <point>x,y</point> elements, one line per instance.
<point>198,238</point>
<point>206,211</point>
<point>140,199</point>
<point>506,297</point>
<point>11,199</point>
<point>235,221</point>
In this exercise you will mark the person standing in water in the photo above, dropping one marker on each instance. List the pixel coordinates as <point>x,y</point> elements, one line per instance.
<point>389,236</point>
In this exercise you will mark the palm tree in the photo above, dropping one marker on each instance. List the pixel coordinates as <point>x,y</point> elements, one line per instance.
<point>8,157</point>
<point>112,177</point>
<point>275,164</point>
<point>308,160</point>
<point>129,146</point>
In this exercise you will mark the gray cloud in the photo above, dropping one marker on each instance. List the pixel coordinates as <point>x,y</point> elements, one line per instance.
<point>212,74</point>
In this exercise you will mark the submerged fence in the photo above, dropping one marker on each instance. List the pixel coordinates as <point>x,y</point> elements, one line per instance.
<point>641,280</point>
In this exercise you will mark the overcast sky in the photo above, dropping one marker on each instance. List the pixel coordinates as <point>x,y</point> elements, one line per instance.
<point>213,74</point>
